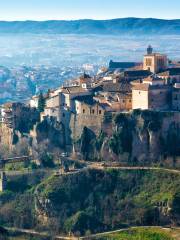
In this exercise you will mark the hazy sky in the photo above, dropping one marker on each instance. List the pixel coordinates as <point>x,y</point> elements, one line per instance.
<point>96,9</point>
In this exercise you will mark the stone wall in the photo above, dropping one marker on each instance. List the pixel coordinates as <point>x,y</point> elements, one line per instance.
<point>6,135</point>
<point>78,122</point>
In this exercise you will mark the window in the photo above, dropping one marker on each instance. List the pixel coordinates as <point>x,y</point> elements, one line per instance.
<point>148,61</point>
<point>100,112</point>
<point>130,101</point>
<point>84,111</point>
<point>93,111</point>
<point>63,114</point>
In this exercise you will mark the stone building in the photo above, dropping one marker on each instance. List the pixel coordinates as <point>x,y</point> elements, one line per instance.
<point>154,62</point>
<point>153,97</point>
<point>60,107</point>
<point>90,114</point>
<point>118,95</point>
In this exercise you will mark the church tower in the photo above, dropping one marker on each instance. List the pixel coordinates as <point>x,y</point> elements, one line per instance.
<point>154,62</point>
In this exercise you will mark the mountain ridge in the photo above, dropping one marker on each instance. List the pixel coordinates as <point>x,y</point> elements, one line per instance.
<point>116,26</point>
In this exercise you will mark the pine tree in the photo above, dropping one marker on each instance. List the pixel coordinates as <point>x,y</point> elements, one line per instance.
<point>41,102</point>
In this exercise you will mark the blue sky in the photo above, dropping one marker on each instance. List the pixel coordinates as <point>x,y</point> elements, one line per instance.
<point>80,9</point>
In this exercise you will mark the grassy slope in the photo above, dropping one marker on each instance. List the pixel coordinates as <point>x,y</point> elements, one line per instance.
<point>143,234</point>
<point>93,200</point>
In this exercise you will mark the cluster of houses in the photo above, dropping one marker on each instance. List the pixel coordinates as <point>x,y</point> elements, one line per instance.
<point>124,86</point>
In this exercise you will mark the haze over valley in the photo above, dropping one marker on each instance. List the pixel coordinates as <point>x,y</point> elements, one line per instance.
<point>33,62</point>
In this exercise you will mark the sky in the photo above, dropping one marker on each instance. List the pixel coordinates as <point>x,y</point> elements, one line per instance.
<point>87,9</point>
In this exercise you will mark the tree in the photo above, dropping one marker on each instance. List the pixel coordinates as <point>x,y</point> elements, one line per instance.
<point>41,102</point>
<point>86,141</point>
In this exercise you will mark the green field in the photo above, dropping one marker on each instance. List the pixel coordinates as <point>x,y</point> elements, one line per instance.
<point>143,234</point>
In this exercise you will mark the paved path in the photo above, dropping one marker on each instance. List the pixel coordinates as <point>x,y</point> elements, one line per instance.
<point>39,234</point>
<point>93,236</point>
<point>116,165</point>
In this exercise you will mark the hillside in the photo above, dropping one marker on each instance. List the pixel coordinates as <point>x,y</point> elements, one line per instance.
<point>91,201</point>
<point>97,201</point>
<point>87,26</point>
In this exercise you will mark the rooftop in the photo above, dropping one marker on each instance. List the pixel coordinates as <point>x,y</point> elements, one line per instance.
<point>122,65</point>
<point>73,89</point>
<point>122,86</point>
<point>136,73</point>
<point>146,87</point>
<point>85,99</point>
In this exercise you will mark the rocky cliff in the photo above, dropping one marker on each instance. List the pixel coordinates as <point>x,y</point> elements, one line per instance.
<point>137,138</point>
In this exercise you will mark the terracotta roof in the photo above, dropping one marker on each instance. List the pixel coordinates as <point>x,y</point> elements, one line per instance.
<point>122,86</point>
<point>146,87</point>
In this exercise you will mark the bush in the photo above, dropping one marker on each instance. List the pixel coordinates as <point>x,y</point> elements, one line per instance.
<point>80,222</point>
<point>47,160</point>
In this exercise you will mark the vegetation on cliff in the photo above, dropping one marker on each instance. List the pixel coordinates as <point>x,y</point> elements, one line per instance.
<point>95,201</point>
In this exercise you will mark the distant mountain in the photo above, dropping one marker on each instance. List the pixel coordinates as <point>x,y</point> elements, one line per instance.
<point>114,26</point>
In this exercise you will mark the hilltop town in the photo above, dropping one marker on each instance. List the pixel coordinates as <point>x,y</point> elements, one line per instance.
<point>121,88</point>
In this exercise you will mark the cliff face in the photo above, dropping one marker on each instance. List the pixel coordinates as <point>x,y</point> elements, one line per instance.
<point>52,131</point>
<point>140,137</point>
<point>102,200</point>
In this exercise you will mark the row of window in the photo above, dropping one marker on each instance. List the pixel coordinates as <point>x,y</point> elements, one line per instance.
<point>93,111</point>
